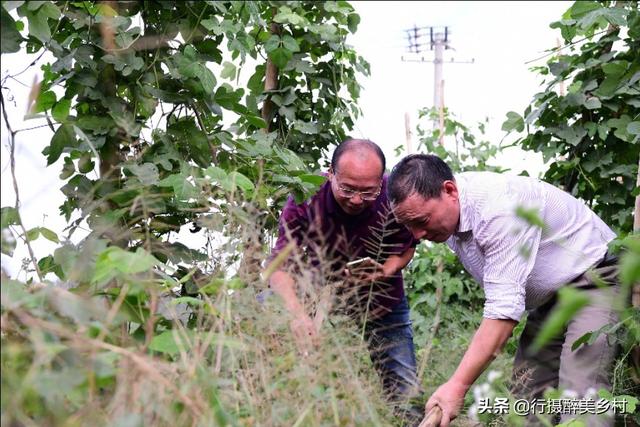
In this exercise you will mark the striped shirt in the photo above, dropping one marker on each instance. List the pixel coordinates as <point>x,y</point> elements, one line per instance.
<point>519,264</point>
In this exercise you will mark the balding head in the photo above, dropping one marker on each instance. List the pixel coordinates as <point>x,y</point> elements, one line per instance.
<point>362,149</point>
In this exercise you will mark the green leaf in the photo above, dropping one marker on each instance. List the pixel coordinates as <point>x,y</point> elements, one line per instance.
<point>182,188</point>
<point>313,179</point>
<point>352,22</point>
<point>514,121</point>
<point>633,128</point>
<point>39,24</point>
<point>290,44</point>
<point>114,261</point>
<point>166,343</point>
<point>207,79</point>
<point>195,302</point>
<point>241,181</point>
<point>215,173</point>
<point>99,125</point>
<point>9,216</point>
<point>13,294</point>
<point>616,68</point>
<point>33,234</point>
<point>581,8</point>
<point>48,265</point>
<point>630,267</point>
<point>85,164</point>
<point>60,111</point>
<point>228,71</point>
<point>570,302</point>
<point>582,340</point>
<point>10,36</point>
<point>572,134</point>
<point>7,242</point>
<point>280,57</point>
<point>272,43</point>
<point>45,101</point>
<point>592,103</point>
<point>255,83</point>
<point>147,173</point>
<point>255,121</point>
<point>306,128</point>
<point>632,403</point>
<point>286,16</point>
<point>64,137</point>
<point>212,25</point>
<point>49,235</point>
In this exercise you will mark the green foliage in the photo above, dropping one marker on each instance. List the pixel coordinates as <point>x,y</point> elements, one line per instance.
<point>9,217</point>
<point>68,360</point>
<point>590,135</point>
<point>156,129</point>
<point>435,268</point>
<point>10,36</point>
<point>147,106</point>
<point>460,146</point>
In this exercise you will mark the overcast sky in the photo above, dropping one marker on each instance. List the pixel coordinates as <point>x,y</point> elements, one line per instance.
<point>500,36</point>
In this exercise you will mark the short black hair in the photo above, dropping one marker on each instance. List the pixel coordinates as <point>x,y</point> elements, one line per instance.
<point>418,173</point>
<point>354,144</point>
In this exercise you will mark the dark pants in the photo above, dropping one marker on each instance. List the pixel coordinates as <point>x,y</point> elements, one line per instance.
<point>390,340</point>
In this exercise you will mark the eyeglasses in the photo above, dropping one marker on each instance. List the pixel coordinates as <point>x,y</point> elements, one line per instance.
<point>364,195</point>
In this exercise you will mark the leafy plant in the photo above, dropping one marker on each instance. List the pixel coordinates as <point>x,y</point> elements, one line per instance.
<point>590,134</point>
<point>154,129</point>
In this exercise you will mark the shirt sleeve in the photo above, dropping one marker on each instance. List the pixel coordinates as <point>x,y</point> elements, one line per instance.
<point>293,220</point>
<point>510,245</point>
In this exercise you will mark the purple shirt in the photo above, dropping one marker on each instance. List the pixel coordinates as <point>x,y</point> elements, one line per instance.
<point>324,231</point>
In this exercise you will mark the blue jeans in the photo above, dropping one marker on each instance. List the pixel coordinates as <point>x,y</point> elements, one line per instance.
<point>390,340</point>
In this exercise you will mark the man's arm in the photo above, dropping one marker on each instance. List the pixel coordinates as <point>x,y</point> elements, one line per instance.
<point>284,285</point>
<point>395,263</point>
<point>302,326</point>
<point>488,341</point>
<point>391,266</point>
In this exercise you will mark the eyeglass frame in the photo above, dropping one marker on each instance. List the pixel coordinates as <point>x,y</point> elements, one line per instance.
<point>350,193</point>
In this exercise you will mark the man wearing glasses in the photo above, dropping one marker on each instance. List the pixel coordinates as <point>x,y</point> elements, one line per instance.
<point>347,219</point>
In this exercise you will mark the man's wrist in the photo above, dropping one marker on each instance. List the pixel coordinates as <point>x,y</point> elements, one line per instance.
<point>459,385</point>
<point>388,270</point>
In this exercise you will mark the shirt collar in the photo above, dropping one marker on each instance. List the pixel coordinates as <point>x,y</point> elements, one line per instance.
<point>464,222</point>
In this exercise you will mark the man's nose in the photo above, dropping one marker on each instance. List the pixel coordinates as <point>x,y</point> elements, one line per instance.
<point>357,199</point>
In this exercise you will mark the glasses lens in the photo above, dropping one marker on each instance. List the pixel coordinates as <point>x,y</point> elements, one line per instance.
<point>347,192</point>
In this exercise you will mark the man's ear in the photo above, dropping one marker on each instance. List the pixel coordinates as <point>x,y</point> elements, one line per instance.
<point>450,188</point>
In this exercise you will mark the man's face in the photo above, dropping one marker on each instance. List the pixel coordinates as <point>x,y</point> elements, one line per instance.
<point>434,219</point>
<point>356,182</point>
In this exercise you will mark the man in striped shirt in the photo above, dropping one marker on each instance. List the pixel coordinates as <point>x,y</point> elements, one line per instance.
<point>522,240</point>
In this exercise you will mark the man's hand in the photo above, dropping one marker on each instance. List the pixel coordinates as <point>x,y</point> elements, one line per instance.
<point>485,345</point>
<point>449,397</point>
<point>371,271</point>
<point>304,332</point>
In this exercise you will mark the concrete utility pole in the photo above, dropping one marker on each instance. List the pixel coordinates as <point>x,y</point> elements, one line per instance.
<point>436,39</point>
<point>438,44</point>
<point>407,132</point>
